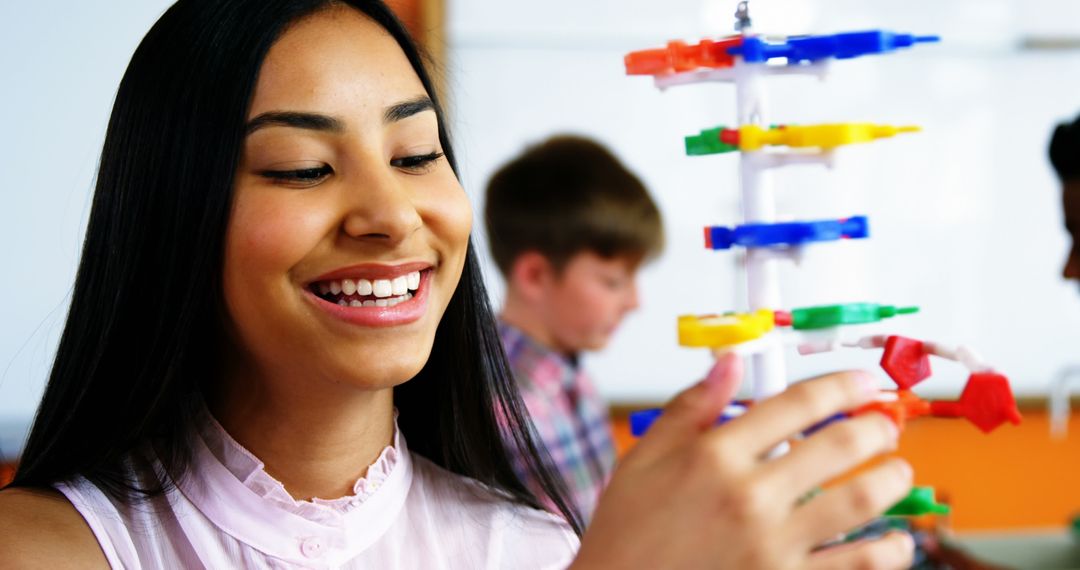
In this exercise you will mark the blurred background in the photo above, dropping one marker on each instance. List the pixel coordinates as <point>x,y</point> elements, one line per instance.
<point>965,216</point>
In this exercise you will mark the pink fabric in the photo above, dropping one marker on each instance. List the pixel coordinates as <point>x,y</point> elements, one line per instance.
<point>406,513</point>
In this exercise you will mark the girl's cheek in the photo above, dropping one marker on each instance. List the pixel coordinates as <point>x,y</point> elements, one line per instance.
<point>275,232</point>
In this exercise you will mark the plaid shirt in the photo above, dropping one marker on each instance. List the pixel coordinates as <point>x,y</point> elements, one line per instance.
<point>568,414</point>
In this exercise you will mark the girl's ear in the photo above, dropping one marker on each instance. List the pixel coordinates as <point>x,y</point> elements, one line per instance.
<point>532,275</point>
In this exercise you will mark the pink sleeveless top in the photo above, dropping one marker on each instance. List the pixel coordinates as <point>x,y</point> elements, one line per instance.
<point>406,512</point>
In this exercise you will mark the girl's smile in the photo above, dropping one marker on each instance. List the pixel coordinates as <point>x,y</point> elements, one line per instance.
<point>374,295</point>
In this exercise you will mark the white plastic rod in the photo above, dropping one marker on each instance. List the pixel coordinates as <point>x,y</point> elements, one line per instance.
<point>759,205</point>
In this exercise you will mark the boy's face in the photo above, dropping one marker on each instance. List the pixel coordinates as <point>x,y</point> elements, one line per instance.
<point>1070,201</point>
<point>588,299</point>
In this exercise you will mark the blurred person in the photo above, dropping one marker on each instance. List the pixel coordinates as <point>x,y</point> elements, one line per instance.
<point>569,228</point>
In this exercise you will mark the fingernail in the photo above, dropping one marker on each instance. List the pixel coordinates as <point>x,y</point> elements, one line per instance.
<point>892,429</point>
<point>906,470</point>
<point>867,382</point>
<point>718,371</point>
<point>909,542</point>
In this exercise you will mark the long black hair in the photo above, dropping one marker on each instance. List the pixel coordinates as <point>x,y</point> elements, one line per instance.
<point>145,326</point>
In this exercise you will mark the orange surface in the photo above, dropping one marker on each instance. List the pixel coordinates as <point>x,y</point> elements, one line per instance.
<point>7,473</point>
<point>1016,477</point>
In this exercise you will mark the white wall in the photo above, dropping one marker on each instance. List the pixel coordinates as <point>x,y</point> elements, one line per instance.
<point>61,63</point>
<point>964,216</point>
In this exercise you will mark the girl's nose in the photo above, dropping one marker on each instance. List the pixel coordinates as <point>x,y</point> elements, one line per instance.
<point>380,208</point>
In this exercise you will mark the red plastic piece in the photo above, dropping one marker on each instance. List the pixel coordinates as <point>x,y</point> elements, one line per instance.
<point>782,319</point>
<point>987,401</point>
<point>906,406</point>
<point>905,361</point>
<point>730,136</point>
<point>678,57</point>
<point>708,238</point>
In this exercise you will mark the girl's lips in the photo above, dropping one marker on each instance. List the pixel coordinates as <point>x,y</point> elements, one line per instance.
<point>372,271</point>
<point>402,313</point>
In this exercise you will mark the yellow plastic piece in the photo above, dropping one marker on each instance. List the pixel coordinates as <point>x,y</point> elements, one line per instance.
<point>826,137</point>
<point>714,331</point>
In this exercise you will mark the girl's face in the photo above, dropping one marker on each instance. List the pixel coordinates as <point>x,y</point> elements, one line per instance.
<point>348,229</point>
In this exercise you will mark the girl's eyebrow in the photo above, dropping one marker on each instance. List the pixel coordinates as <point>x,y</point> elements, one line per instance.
<point>312,121</point>
<point>406,109</point>
<point>326,123</point>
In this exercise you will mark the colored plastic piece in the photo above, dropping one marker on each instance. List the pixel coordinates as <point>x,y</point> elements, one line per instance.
<point>825,136</point>
<point>920,501</point>
<point>642,420</point>
<point>905,361</point>
<point>786,233</point>
<point>678,57</point>
<point>987,401</point>
<point>844,45</point>
<point>831,315</point>
<point>708,142</point>
<point>716,331</point>
<point>904,407</point>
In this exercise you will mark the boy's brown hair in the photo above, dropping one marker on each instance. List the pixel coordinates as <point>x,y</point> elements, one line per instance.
<point>567,195</point>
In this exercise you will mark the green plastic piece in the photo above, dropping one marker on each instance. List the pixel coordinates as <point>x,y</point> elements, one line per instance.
<point>920,501</point>
<point>708,142</point>
<point>826,316</point>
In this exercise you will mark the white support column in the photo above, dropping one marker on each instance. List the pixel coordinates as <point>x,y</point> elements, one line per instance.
<point>759,205</point>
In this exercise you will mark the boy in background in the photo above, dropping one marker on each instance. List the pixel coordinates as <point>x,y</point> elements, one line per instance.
<point>569,226</point>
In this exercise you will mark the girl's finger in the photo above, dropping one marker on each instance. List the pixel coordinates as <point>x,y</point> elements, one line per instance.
<point>842,508</point>
<point>895,550</point>
<point>802,405</point>
<point>831,452</point>
<point>695,409</point>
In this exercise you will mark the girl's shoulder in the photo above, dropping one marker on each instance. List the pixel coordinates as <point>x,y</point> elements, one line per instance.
<point>41,529</point>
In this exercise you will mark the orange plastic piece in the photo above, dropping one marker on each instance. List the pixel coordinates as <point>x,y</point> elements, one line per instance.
<point>906,406</point>
<point>678,56</point>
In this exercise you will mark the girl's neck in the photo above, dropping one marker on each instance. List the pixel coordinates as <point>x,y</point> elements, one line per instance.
<point>316,439</point>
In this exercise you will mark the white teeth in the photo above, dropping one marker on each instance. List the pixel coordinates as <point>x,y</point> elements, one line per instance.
<point>324,288</point>
<point>348,286</point>
<point>385,302</point>
<point>382,288</point>
<point>413,280</point>
<point>335,287</point>
<point>399,286</point>
<point>363,286</point>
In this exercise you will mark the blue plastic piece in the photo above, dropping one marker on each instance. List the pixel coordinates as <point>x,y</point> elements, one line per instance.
<point>847,45</point>
<point>642,420</point>
<point>786,233</point>
<point>825,423</point>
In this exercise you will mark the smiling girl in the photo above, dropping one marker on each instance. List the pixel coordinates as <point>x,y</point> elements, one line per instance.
<point>280,353</point>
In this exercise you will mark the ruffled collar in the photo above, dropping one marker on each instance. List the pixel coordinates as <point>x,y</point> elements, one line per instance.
<point>251,472</point>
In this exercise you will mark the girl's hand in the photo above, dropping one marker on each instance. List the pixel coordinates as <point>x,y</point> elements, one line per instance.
<point>691,495</point>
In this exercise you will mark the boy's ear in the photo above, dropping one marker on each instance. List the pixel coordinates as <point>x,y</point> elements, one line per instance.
<point>532,274</point>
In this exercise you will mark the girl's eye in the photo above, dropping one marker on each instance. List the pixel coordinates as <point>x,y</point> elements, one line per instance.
<point>300,176</point>
<point>419,163</point>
